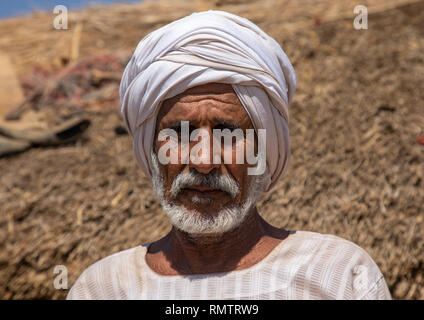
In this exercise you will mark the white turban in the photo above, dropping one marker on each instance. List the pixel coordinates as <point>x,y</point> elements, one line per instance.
<point>205,47</point>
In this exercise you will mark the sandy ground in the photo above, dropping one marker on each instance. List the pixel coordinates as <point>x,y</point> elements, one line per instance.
<point>357,170</point>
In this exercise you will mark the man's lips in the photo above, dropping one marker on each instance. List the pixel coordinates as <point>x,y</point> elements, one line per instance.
<point>204,191</point>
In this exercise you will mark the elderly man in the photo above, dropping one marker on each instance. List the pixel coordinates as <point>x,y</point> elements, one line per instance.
<point>206,73</point>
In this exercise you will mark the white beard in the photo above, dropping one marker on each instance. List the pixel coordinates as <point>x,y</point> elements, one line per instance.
<point>192,221</point>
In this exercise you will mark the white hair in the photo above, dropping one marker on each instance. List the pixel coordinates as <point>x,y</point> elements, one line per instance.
<point>192,221</point>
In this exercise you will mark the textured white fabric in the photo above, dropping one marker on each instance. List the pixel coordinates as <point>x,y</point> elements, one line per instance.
<point>306,265</point>
<point>205,47</point>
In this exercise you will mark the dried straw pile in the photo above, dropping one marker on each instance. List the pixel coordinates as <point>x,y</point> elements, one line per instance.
<point>357,169</point>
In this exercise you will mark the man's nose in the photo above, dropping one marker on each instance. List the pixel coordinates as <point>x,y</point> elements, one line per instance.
<point>201,153</point>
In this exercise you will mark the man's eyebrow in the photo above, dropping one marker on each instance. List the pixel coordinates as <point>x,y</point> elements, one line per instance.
<point>227,123</point>
<point>174,123</point>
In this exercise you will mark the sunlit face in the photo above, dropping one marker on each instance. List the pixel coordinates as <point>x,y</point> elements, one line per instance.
<point>207,107</point>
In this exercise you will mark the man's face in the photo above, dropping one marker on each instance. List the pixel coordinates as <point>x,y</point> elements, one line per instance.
<point>207,107</point>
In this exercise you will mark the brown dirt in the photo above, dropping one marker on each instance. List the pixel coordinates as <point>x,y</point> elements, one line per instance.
<point>357,169</point>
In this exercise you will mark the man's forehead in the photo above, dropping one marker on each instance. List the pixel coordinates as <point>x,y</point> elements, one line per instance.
<point>219,98</point>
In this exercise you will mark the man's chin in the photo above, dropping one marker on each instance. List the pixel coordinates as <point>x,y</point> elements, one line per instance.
<point>199,222</point>
<point>204,212</point>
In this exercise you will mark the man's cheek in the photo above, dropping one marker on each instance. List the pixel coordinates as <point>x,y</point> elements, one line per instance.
<point>168,150</point>
<point>184,155</point>
<point>233,153</point>
<point>169,173</point>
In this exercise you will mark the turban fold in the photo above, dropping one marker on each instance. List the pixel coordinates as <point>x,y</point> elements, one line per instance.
<point>205,47</point>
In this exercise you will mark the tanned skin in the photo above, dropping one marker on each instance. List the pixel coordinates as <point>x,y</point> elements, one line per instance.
<point>210,106</point>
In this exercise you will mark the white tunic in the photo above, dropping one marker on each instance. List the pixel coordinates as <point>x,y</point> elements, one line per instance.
<point>305,265</point>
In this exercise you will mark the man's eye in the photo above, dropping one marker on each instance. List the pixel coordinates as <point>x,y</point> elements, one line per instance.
<point>224,126</point>
<point>178,129</point>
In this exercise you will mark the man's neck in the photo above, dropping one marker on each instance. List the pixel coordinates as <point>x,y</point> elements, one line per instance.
<point>182,253</point>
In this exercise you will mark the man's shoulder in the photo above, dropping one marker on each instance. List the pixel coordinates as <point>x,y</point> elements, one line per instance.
<point>113,261</point>
<point>330,249</point>
<point>314,241</point>
<point>335,262</point>
<point>105,278</point>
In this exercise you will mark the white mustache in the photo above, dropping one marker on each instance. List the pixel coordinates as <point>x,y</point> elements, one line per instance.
<point>213,180</point>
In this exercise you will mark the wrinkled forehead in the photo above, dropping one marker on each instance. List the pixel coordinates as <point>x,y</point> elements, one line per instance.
<point>213,101</point>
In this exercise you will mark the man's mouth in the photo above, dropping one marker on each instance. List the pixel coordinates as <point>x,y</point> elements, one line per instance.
<point>204,192</point>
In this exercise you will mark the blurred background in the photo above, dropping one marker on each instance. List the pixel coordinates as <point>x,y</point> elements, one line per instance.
<point>25,7</point>
<point>70,190</point>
